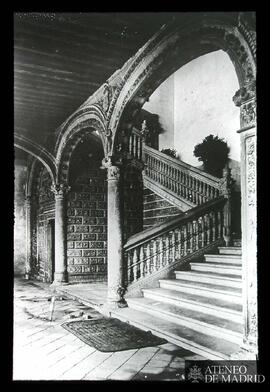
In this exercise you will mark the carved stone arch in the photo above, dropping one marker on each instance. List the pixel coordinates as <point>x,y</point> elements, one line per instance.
<point>38,152</point>
<point>89,113</point>
<point>77,130</point>
<point>174,46</point>
<point>31,176</point>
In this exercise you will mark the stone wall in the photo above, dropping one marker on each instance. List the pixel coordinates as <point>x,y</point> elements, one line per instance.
<point>87,227</point>
<point>133,202</point>
<point>19,218</point>
<point>156,209</point>
<point>44,213</point>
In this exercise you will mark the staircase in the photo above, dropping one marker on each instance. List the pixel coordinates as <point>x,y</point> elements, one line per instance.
<point>200,310</point>
<point>182,283</point>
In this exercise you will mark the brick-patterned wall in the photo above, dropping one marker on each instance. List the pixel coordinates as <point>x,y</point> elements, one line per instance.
<point>132,202</point>
<point>87,227</point>
<point>156,209</point>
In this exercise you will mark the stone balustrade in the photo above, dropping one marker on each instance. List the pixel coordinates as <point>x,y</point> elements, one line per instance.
<point>156,248</point>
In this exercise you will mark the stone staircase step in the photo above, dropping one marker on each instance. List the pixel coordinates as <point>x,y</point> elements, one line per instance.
<point>210,278</point>
<point>226,293</point>
<point>207,305</point>
<point>200,322</point>
<point>224,259</point>
<point>230,250</point>
<point>210,347</point>
<point>218,268</point>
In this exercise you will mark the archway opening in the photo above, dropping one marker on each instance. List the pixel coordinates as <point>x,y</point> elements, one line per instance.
<point>194,102</point>
<point>87,213</point>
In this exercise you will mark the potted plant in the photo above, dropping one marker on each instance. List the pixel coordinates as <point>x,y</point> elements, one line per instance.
<point>213,152</point>
<point>171,152</point>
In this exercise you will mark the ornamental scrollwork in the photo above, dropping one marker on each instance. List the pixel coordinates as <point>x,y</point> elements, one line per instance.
<point>245,93</point>
<point>251,171</point>
<point>60,189</point>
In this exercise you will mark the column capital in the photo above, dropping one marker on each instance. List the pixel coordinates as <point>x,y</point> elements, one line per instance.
<point>113,170</point>
<point>60,189</point>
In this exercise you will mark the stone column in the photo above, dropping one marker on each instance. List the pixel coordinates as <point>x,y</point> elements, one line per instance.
<point>60,274</point>
<point>115,251</point>
<point>28,233</point>
<point>245,98</point>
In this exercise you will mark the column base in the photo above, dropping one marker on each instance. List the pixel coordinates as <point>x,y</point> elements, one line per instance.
<point>59,279</point>
<point>110,306</point>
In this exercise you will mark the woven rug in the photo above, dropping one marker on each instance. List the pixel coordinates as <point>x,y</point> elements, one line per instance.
<point>109,334</point>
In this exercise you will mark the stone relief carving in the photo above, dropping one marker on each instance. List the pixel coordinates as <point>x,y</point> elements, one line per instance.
<point>108,141</point>
<point>251,171</point>
<point>245,93</point>
<point>248,114</point>
<point>106,97</point>
<point>60,189</point>
<point>113,173</point>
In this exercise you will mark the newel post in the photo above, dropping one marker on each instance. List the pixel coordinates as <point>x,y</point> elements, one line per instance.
<point>226,191</point>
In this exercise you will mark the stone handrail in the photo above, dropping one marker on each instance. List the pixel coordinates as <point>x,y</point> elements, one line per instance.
<point>154,249</point>
<point>182,180</point>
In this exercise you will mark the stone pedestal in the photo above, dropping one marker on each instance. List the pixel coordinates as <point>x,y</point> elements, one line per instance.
<point>60,274</point>
<point>28,233</point>
<point>115,256</point>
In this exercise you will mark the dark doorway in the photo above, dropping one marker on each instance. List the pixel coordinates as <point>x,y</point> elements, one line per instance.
<point>50,249</point>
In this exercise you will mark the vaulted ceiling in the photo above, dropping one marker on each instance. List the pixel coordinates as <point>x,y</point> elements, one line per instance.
<point>60,59</point>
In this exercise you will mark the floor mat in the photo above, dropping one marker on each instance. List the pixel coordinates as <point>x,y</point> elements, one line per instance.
<point>110,335</point>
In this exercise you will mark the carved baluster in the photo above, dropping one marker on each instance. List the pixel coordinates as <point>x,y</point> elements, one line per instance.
<point>139,148</point>
<point>130,144</point>
<point>185,186</point>
<point>203,230</point>
<point>134,265</point>
<point>176,246</point>
<point>155,259</point>
<point>219,224</point>
<point>196,229</point>
<point>173,246</point>
<point>185,232</point>
<point>213,214</point>
<point>161,252</point>
<point>142,265</point>
<point>207,221</point>
<point>148,259</point>
<point>130,270</point>
<point>167,249</point>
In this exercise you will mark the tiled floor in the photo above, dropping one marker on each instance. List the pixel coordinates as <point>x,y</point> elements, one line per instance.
<point>43,350</point>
